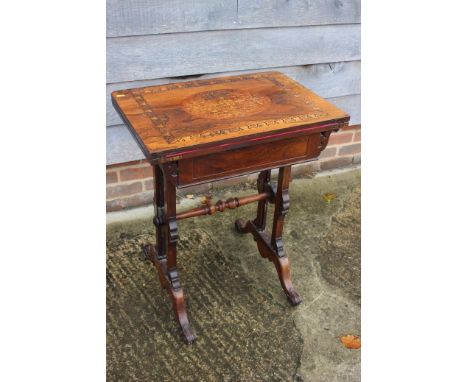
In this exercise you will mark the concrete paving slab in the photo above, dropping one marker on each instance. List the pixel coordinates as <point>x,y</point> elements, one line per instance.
<point>246,329</point>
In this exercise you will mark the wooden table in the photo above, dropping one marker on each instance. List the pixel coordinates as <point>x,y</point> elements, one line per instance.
<point>200,131</point>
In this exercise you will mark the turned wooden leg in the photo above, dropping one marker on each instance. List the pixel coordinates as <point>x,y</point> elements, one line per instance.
<point>271,246</point>
<point>164,255</point>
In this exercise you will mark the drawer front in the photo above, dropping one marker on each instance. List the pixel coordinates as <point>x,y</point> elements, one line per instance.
<point>248,159</point>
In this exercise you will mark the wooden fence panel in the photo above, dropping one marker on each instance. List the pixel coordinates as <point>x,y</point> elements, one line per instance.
<point>147,17</point>
<point>168,55</point>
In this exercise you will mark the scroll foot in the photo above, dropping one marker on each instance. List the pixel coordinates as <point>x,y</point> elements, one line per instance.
<point>280,261</point>
<point>188,335</point>
<point>284,273</point>
<point>293,297</point>
<point>170,281</point>
<point>178,303</point>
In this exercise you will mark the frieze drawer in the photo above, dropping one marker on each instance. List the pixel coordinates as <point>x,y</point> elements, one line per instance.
<point>248,159</point>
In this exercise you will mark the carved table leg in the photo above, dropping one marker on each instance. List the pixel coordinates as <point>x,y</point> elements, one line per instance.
<point>164,256</point>
<point>280,259</point>
<point>271,246</point>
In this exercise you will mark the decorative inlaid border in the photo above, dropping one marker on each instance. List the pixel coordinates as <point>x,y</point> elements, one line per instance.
<point>160,121</point>
<point>250,126</point>
<point>200,83</point>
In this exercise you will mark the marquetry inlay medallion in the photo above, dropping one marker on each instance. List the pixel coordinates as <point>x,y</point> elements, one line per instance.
<point>225,104</point>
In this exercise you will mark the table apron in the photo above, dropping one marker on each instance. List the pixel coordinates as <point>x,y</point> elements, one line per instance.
<point>249,159</point>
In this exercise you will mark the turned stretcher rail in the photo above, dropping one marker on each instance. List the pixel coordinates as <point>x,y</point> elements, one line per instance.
<point>221,205</point>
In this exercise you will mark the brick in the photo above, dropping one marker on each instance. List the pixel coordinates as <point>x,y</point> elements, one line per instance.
<point>138,200</point>
<point>351,128</point>
<point>350,149</point>
<point>328,153</point>
<point>134,173</point>
<point>149,185</point>
<point>123,190</point>
<point>357,159</point>
<point>357,136</point>
<point>125,164</point>
<point>111,177</point>
<point>335,163</point>
<point>340,138</point>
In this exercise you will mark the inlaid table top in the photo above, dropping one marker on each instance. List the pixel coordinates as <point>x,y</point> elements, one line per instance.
<point>175,120</point>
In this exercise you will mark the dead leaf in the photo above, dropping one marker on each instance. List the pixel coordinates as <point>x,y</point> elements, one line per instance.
<point>189,196</point>
<point>351,341</point>
<point>329,196</point>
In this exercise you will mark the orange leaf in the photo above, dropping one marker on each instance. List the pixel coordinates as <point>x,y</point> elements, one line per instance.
<point>329,196</point>
<point>351,342</point>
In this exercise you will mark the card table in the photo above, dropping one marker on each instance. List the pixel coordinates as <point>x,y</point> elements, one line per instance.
<point>206,130</point>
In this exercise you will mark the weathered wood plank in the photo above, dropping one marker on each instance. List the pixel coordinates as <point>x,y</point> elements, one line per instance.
<point>351,104</point>
<point>327,80</point>
<point>145,17</point>
<point>121,146</point>
<point>168,55</point>
<point>268,13</point>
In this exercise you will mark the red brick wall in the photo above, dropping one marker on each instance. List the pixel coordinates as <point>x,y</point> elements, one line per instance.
<point>131,184</point>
